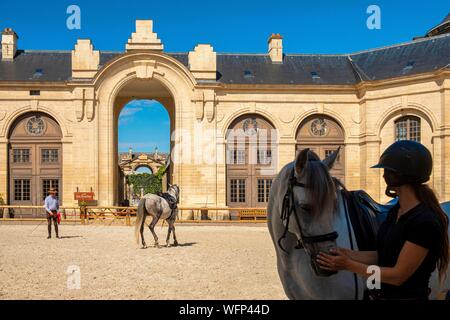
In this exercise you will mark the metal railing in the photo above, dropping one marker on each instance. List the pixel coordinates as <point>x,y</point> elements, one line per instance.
<point>126,215</point>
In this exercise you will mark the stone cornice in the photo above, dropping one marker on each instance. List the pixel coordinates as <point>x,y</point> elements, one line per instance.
<point>406,80</point>
<point>290,88</point>
<point>26,85</point>
<point>359,89</point>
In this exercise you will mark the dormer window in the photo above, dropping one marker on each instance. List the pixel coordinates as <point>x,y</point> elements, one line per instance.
<point>315,75</point>
<point>248,74</point>
<point>409,66</point>
<point>38,73</point>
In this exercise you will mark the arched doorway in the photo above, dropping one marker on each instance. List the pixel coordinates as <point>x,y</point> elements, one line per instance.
<point>323,135</point>
<point>153,125</point>
<point>144,75</point>
<point>35,158</point>
<point>143,169</point>
<point>251,153</point>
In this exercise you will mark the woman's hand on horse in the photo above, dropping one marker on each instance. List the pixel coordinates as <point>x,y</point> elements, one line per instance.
<point>338,261</point>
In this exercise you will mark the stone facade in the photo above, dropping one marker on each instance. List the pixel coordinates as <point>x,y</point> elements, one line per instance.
<point>87,105</point>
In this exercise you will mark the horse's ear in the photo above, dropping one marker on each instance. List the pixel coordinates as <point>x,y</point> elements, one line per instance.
<point>331,159</point>
<point>301,162</point>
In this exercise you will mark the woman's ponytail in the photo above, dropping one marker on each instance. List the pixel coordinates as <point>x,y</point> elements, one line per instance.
<point>427,196</point>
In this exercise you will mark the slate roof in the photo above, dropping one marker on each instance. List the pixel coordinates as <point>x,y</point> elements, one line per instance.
<point>54,66</point>
<point>415,57</point>
<point>295,69</point>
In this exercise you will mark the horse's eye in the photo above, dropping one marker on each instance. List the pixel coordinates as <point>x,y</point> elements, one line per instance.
<point>306,207</point>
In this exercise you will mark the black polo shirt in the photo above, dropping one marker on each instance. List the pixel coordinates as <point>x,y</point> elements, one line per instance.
<point>421,226</point>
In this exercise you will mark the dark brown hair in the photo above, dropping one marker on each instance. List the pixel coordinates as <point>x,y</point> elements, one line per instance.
<point>427,196</point>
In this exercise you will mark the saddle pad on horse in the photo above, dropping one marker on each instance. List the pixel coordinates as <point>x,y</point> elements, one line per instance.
<point>170,200</point>
<point>366,216</point>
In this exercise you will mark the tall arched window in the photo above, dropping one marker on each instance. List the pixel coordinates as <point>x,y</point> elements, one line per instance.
<point>407,128</point>
<point>35,159</point>
<point>251,156</point>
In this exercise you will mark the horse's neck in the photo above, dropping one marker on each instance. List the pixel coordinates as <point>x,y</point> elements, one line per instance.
<point>341,222</point>
<point>172,194</point>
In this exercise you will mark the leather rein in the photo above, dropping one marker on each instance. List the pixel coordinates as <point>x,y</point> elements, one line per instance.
<point>289,208</point>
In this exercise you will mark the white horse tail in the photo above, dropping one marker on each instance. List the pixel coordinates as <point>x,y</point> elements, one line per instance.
<point>140,218</point>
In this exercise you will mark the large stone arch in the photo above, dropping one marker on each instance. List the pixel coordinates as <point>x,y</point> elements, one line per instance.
<point>146,63</point>
<point>153,67</point>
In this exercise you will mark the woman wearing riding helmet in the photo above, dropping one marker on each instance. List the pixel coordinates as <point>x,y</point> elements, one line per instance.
<point>413,240</point>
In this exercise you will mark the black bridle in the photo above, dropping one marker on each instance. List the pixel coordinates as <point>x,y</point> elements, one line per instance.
<point>289,208</point>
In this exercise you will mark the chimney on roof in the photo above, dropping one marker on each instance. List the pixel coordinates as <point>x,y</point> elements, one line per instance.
<point>276,48</point>
<point>9,44</point>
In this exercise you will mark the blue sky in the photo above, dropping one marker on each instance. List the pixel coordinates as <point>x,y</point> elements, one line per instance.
<point>332,26</point>
<point>144,125</point>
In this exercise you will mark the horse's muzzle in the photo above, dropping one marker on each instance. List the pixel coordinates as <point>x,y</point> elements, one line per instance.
<point>319,271</point>
<point>316,266</point>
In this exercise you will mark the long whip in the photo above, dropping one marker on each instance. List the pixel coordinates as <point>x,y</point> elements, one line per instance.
<point>36,227</point>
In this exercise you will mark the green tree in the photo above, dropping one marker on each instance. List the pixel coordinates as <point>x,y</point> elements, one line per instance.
<point>150,183</point>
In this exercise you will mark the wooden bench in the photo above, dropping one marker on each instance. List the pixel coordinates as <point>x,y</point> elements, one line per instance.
<point>253,215</point>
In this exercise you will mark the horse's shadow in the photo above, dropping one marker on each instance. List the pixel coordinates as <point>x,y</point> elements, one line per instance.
<point>187,244</point>
<point>70,237</point>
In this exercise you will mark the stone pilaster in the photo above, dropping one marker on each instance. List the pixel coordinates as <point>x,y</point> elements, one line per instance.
<point>4,169</point>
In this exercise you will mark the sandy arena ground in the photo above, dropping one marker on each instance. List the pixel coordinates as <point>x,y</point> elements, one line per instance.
<point>213,262</point>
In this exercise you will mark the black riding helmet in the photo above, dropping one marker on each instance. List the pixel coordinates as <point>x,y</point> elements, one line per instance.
<point>409,161</point>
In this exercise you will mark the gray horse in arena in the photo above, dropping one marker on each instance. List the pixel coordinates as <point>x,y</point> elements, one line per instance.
<point>159,207</point>
<point>308,212</point>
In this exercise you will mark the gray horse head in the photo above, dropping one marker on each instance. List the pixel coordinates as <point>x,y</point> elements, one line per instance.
<point>174,190</point>
<point>315,205</point>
